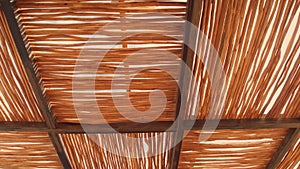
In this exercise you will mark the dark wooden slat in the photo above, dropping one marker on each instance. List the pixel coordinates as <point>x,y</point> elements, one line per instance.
<point>36,87</point>
<point>187,57</point>
<point>64,128</point>
<point>285,145</point>
<point>23,126</point>
<point>127,127</point>
<point>56,141</point>
<point>161,126</point>
<point>176,151</point>
<point>234,124</point>
<point>158,126</point>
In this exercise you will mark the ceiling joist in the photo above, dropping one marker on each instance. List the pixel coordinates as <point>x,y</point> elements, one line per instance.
<point>159,126</point>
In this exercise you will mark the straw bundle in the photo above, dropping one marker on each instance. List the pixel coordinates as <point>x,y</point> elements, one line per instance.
<point>258,43</point>
<point>85,153</point>
<point>230,149</point>
<point>17,101</point>
<point>57,31</point>
<point>27,150</point>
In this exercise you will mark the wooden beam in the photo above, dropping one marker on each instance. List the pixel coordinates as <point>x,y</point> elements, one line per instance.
<point>234,124</point>
<point>187,58</point>
<point>157,126</point>
<point>34,81</point>
<point>192,15</point>
<point>283,148</point>
<point>23,126</point>
<point>125,127</point>
<point>56,141</point>
<point>76,128</point>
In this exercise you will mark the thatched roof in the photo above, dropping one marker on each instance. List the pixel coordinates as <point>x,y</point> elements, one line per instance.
<point>258,47</point>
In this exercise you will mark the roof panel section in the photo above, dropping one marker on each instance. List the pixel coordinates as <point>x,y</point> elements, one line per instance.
<point>17,101</point>
<point>58,31</point>
<point>27,150</point>
<point>258,43</point>
<point>85,152</point>
<point>230,148</point>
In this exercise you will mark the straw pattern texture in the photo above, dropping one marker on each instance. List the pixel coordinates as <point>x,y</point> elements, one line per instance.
<point>258,42</point>
<point>27,150</point>
<point>230,149</point>
<point>85,153</point>
<point>57,31</point>
<point>17,101</point>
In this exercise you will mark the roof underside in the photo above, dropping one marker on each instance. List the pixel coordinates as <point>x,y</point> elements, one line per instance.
<point>42,44</point>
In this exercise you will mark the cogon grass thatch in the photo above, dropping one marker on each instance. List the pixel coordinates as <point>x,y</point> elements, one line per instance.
<point>27,150</point>
<point>258,43</point>
<point>17,99</point>
<point>230,149</point>
<point>85,153</point>
<point>56,39</point>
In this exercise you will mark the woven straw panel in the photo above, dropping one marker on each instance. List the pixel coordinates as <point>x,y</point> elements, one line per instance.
<point>57,30</point>
<point>230,149</point>
<point>17,101</point>
<point>85,153</point>
<point>292,157</point>
<point>27,150</point>
<point>258,42</point>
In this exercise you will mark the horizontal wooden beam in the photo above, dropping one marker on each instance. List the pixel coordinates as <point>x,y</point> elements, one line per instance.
<point>244,123</point>
<point>159,126</point>
<point>23,126</point>
<point>126,127</point>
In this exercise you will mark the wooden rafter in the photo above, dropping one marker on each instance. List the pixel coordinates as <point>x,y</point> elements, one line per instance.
<point>283,148</point>
<point>159,126</point>
<point>187,57</point>
<point>236,124</point>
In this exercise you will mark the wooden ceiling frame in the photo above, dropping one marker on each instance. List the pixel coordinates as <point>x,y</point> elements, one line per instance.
<point>54,129</point>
